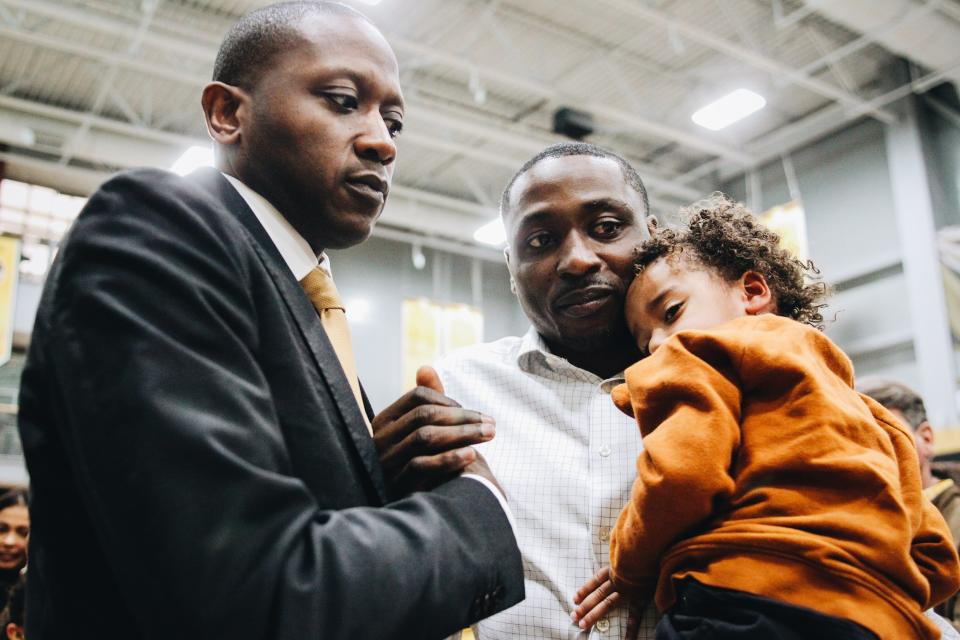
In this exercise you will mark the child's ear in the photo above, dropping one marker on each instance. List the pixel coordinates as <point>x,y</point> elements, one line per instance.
<point>757,296</point>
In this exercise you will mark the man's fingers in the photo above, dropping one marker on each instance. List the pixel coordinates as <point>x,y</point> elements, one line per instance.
<point>427,377</point>
<point>430,415</point>
<point>595,606</point>
<point>433,440</point>
<point>437,467</point>
<point>410,400</point>
<point>592,585</point>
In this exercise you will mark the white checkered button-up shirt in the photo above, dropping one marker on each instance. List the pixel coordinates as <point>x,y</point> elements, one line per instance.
<point>566,457</point>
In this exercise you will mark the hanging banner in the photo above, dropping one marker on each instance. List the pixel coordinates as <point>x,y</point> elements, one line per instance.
<point>431,329</point>
<point>790,223</point>
<point>9,274</point>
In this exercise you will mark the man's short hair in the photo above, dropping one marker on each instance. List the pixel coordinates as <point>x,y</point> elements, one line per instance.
<point>563,149</point>
<point>896,395</point>
<point>251,44</point>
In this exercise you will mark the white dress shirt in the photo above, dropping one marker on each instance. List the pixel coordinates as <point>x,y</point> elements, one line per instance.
<point>300,258</point>
<point>295,251</point>
<point>566,457</point>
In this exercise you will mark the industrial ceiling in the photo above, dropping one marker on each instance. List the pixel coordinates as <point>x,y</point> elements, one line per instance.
<point>88,87</point>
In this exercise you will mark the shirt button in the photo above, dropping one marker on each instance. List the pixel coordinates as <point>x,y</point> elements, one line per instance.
<point>604,534</point>
<point>603,625</point>
<point>604,451</point>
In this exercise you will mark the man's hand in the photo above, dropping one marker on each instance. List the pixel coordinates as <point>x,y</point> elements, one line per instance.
<point>596,598</point>
<point>425,438</point>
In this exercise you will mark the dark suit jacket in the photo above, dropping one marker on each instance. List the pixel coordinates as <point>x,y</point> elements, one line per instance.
<point>200,468</point>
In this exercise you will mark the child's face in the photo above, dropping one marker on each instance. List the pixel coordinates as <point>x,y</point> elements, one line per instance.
<point>673,294</point>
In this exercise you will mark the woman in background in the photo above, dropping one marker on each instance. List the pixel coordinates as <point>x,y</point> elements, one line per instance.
<point>14,533</point>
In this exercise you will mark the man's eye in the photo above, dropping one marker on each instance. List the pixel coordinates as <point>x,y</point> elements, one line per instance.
<point>395,127</point>
<point>607,228</point>
<point>343,101</point>
<point>538,241</point>
<point>671,313</point>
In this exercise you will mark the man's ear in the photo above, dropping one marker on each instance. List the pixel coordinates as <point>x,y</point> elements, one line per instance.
<point>758,298</point>
<point>14,631</point>
<point>923,435</point>
<point>652,225</point>
<point>513,283</point>
<point>222,106</point>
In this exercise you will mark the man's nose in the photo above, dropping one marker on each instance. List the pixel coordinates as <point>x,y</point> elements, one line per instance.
<point>375,142</point>
<point>8,539</point>
<point>578,257</point>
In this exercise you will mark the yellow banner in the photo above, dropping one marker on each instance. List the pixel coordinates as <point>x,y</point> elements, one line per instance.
<point>431,330</point>
<point>9,274</point>
<point>789,222</point>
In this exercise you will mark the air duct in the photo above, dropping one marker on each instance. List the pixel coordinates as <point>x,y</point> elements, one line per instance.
<point>925,32</point>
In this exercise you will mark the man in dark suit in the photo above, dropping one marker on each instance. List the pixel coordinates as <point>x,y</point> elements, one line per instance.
<point>196,438</point>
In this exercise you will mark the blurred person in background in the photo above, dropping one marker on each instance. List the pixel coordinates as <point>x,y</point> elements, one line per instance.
<point>13,614</point>
<point>14,534</point>
<point>940,479</point>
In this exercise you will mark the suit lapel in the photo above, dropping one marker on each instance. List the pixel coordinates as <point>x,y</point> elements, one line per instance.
<point>308,322</point>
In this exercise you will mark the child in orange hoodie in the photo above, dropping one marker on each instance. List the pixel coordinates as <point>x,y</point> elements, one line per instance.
<point>772,500</point>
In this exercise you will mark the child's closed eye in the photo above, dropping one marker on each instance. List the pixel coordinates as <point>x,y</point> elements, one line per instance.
<point>671,312</point>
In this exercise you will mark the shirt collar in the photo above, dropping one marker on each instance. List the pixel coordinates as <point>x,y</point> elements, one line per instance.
<point>293,248</point>
<point>534,353</point>
<point>934,491</point>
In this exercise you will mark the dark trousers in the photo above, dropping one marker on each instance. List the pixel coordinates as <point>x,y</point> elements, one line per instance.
<point>710,613</point>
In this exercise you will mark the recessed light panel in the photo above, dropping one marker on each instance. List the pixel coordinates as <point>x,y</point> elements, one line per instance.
<point>729,109</point>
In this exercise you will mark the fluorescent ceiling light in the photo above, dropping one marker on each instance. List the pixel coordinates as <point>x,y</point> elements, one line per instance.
<point>491,233</point>
<point>369,1</point>
<point>358,310</point>
<point>728,109</point>
<point>193,158</point>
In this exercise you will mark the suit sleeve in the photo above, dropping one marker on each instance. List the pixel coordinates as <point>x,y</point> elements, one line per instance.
<point>684,394</point>
<point>934,552</point>
<point>170,425</point>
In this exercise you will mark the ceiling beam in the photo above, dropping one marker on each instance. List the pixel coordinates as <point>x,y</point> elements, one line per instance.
<point>777,69</point>
<point>623,119</point>
<point>206,53</point>
<point>830,119</point>
<point>518,140</point>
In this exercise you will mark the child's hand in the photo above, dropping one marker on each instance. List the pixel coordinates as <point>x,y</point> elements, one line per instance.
<point>594,599</point>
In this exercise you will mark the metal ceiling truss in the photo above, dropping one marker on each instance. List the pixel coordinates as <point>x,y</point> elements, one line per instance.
<point>518,139</point>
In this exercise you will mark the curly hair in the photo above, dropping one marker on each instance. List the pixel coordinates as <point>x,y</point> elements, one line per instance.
<point>723,235</point>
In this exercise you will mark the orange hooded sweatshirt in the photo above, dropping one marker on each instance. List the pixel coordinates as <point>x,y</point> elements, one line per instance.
<point>764,471</point>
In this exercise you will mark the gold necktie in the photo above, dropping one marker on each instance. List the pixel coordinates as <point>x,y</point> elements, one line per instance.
<point>322,292</point>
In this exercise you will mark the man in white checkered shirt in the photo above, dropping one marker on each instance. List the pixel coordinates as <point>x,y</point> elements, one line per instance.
<point>562,451</point>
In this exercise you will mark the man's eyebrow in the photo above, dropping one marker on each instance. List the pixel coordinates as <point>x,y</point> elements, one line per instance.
<point>526,220</point>
<point>608,204</point>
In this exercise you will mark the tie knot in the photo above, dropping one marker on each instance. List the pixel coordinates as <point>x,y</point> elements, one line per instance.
<point>319,287</point>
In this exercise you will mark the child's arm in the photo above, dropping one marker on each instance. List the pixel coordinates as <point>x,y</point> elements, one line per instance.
<point>687,395</point>
<point>936,557</point>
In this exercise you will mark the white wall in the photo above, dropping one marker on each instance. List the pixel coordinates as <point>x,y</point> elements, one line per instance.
<point>844,183</point>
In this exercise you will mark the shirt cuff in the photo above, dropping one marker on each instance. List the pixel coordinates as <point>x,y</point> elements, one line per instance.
<point>496,493</point>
